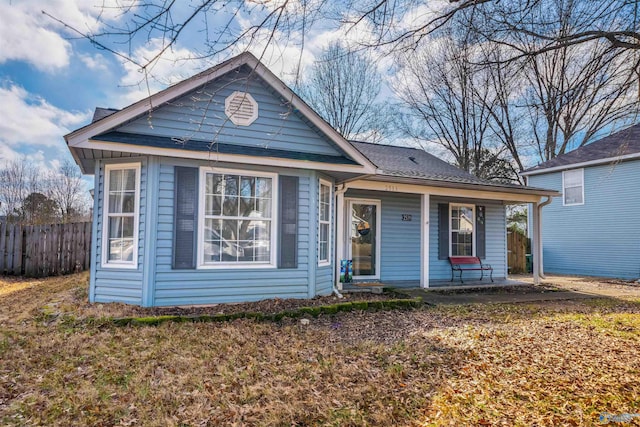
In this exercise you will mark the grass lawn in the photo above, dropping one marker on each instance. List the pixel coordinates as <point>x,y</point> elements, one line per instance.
<point>546,364</point>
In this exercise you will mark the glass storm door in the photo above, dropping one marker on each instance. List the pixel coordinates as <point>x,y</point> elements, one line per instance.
<point>364,238</point>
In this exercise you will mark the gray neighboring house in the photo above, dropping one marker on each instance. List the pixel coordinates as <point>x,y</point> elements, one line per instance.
<point>593,228</point>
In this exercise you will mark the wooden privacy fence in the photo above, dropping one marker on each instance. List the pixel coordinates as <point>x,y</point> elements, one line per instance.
<point>517,252</point>
<point>44,250</point>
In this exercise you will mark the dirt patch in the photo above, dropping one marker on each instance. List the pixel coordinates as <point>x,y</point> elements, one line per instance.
<point>615,288</point>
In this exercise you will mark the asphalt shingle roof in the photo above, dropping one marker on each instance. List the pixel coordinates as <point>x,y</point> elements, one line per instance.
<point>622,143</point>
<point>414,163</point>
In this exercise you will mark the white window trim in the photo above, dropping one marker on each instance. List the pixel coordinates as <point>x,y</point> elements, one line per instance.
<point>564,188</point>
<point>378,203</point>
<point>274,220</point>
<point>473,224</point>
<point>325,262</point>
<point>105,217</point>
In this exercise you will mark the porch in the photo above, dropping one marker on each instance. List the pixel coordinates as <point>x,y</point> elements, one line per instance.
<point>401,235</point>
<point>434,285</point>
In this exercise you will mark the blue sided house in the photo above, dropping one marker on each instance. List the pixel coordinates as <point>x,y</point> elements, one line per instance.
<point>592,229</point>
<point>228,187</point>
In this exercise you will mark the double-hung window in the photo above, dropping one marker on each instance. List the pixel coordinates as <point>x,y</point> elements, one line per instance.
<point>324,223</point>
<point>121,215</point>
<point>462,230</point>
<point>573,187</point>
<point>237,225</point>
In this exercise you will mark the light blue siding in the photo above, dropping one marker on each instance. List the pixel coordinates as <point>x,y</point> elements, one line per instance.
<point>400,240</point>
<point>495,236</point>
<point>601,237</point>
<point>200,115</point>
<point>113,284</point>
<point>184,287</point>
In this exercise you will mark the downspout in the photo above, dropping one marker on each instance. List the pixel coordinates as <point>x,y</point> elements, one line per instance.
<point>339,241</point>
<point>540,266</point>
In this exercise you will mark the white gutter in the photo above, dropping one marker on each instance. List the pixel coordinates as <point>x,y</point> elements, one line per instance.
<point>582,164</point>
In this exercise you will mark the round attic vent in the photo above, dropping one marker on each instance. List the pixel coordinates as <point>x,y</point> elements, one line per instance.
<point>241,108</point>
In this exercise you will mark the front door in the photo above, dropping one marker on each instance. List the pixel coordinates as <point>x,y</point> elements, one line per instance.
<point>364,238</point>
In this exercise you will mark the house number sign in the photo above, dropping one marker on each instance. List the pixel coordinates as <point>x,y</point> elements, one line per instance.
<point>406,217</point>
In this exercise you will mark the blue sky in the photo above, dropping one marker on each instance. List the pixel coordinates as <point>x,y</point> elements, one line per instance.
<point>51,80</point>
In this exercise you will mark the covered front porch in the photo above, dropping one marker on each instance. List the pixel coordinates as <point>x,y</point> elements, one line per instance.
<point>398,234</point>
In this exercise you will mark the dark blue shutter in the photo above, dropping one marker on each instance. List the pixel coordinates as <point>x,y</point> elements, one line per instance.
<point>443,230</point>
<point>185,204</point>
<point>288,226</point>
<point>481,250</point>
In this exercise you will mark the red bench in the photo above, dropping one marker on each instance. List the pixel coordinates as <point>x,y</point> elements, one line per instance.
<point>464,263</point>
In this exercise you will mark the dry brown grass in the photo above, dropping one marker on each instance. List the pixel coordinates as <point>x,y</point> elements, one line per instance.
<point>544,364</point>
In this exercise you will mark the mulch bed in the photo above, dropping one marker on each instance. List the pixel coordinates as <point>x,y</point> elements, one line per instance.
<point>268,306</point>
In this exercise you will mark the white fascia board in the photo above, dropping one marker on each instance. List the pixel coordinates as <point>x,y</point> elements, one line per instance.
<point>583,164</point>
<point>141,107</point>
<point>154,101</point>
<point>444,191</point>
<point>219,157</point>
<point>310,114</point>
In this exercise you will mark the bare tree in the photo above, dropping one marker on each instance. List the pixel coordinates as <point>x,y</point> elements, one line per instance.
<point>342,86</point>
<point>66,189</point>
<point>575,92</point>
<point>19,178</point>
<point>448,103</point>
<point>396,25</point>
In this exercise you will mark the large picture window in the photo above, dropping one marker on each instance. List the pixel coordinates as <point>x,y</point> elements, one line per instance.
<point>573,187</point>
<point>120,232</point>
<point>324,223</point>
<point>462,229</point>
<point>237,218</point>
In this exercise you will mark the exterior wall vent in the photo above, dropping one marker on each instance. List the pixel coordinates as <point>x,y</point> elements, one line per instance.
<point>241,108</point>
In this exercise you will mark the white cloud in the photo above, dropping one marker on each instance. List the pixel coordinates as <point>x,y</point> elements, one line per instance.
<point>29,35</point>
<point>28,120</point>
<point>95,62</point>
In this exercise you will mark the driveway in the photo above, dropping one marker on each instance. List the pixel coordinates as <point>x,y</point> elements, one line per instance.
<point>553,288</point>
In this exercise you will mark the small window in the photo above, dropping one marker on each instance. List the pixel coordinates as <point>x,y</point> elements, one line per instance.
<point>573,187</point>
<point>121,216</point>
<point>462,230</point>
<point>237,211</point>
<point>324,223</point>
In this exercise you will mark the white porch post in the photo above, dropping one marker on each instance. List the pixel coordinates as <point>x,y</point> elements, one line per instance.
<point>536,244</point>
<point>424,240</point>
<point>339,237</point>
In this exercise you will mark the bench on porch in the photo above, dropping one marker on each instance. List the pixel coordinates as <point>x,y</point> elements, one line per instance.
<point>469,263</point>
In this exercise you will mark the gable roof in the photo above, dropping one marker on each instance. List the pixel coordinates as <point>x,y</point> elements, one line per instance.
<point>406,163</point>
<point>622,145</point>
<point>106,120</point>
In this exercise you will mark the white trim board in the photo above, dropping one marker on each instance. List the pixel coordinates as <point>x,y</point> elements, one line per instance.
<point>378,204</point>
<point>212,156</point>
<point>76,138</point>
<point>104,261</point>
<point>442,191</point>
<point>200,264</point>
<point>604,161</point>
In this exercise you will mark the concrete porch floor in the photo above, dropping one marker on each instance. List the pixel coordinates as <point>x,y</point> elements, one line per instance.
<point>434,285</point>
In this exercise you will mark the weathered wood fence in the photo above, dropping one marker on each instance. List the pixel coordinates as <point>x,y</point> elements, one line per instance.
<point>44,250</point>
<point>517,252</point>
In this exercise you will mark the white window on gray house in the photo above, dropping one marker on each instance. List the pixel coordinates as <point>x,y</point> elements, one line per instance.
<point>462,229</point>
<point>573,187</point>
<point>237,212</point>
<point>324,224</point>
<point>121,215</point>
